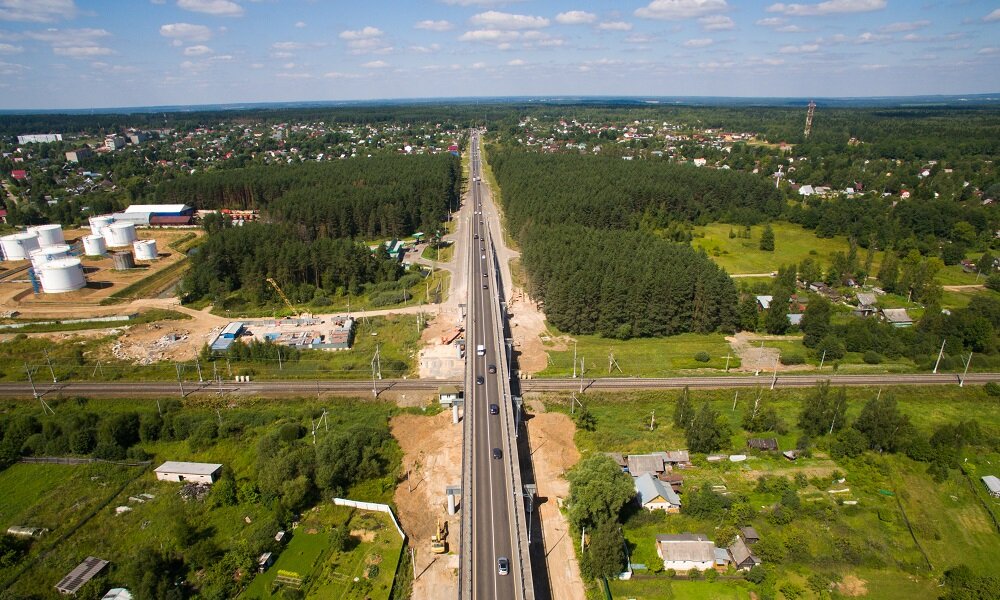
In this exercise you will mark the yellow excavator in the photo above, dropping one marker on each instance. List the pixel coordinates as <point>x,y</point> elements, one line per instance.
<point>277,288</point>
<point>439,544</point>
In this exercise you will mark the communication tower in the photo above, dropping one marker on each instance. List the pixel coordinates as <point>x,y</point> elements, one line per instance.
<point>809,117</point>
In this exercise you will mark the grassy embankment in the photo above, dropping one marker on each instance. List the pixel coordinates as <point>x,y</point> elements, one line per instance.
<point>47,325</point>
<point>951,521</point>
<point>159,282</point>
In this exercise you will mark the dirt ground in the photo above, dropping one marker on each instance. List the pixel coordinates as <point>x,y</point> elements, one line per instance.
<point>432,456</point>
<point>753,358</point>
<point>852,586</point>
<point>528,326</point>
<point>437,360</point>
<point>553,452</point>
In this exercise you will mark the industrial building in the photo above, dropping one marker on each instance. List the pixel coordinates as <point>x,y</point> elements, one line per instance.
<point>188,471</point>
<point>227,337</point>
<point>80,154</point>
<point>39,138</point>
<point>156,214</point>
<point>340,336</point>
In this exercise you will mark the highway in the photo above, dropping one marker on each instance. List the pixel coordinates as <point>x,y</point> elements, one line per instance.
<point>493,529</point>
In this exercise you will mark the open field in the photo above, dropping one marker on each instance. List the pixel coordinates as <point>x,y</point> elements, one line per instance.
<point>47,325</point>
<point>828,535</point>
<point>639,357</point>
<point>443,254</point>
<point>792,244</point>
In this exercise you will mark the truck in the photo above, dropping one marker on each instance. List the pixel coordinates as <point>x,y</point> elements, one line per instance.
<point>480,350</point>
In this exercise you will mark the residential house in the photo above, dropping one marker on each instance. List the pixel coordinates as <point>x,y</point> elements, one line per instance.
<point>806,190</point>
<point>897,317</point>
<point>685,551</point>
<point>992,484</point>
<point>653,494</point>
<point>741,556</point>
<point>794,319</point>
<point>764,302</point>
<point>640,464</point>
<point>19,174</point>
<point>677,458</point>
<point>768,444</point>
<point>866,305</point>
<point>449,395</point>
<point>722,559</point>
<point>619,459</point>
<point>188,471</point>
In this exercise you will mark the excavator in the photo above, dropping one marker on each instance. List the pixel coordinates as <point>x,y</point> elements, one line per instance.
<point>439,544</point>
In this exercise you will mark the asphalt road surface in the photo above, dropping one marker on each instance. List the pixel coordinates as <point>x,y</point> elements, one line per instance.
<point>492,530</point>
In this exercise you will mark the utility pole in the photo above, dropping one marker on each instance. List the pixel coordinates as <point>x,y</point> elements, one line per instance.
<point>736,397</point>
<point>652,420</point>
<point>940,354</point>
<point>180,382</point>
<point>574,359</point>
<point>775,378</point>
<point>279,360</point>
<point>728,356</point>
<point>961,382</point>
<point>31,381</point>
<point>49,362</point>
<point>198,364</point>
<point>822,360</point>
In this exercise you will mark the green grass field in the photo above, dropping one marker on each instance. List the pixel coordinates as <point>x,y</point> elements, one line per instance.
<point>149,316</point>
<point>640,357</point>
<point>869,540</point>
<point>792,244</point>
<point>440,254</point>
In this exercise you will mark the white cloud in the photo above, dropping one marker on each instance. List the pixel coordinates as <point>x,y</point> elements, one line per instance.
<point>517,62</point>
<point>989,51</point>
<point>500,20</point>
<point>431,25</point>
<point>219,8</point>
<point>361,34</point>
<point>993,16</point>
<point>488,36</point>
<point>477,2</point>
<point>7,68</point>
<point>68,37</point>
<point>874,67</point>
<point>286,46</point>
<point>10,49</point>
<point>639,38</point>
<point>82,51</point>
<point>804,48</point>
<point>293,75</point>
<point>186,32</point>
<point>790,29</point>
<point>289,65</point>
<point>37,11</point>
<point>478,65</point>
<point>869,37</point>
<point>680,9</point>
<point>698,43</point>
<point>615,26</point>
<point>901,27</point>
<point>300,24</point>
<point>716,23</point>
<point>828,7</point>
<point>197,50</point>
<point>576,17</point>
<point>375,64</point>
<point>340,75</point>
<point>425,49</point>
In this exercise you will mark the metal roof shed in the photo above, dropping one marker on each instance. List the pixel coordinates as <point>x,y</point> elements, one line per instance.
<point>78,577</point>
<point>188,471</point>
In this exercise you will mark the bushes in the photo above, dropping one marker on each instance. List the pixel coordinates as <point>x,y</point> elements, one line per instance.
<point>390,298</point>
<point>702,357</point>
<point>872,358</point>
<point>792,359</point>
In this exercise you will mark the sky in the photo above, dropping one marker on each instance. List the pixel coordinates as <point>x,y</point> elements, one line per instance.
<point>114,53</point>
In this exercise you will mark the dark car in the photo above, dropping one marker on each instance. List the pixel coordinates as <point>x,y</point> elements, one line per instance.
<point>475,237</point>
<point>484,286</point>
<point>503,565</point>
<point>491,368</point>
<point>485,274</point>
<point>494,409</point>
<point>497,453</point>
<point>480,380</point>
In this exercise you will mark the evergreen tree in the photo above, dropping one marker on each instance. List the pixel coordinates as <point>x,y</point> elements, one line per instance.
<point>885,428</point>
<point>776,319</point>
<point>888,272</point>
<point>605,555</point>
<point>767,239</point>
<point>748,313</point>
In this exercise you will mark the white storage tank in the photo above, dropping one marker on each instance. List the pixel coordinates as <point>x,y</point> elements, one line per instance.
<point>63,275</point>
<point>100,223</point>
<point>48,235</point>
<point>93,245</point>
<point>119,235</point>
<point>17,246</point>
<point>43,255</point>
<point>145,250</point>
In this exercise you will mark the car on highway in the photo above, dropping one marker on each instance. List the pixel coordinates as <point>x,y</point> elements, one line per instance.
<point>484,286</point>
<point>491,368</point>
<point>480,380</point>
<point>494,409</point>
<point>497,453</point>
<point>503,565</point>
<point>485,274</point>
<point>476,236</point>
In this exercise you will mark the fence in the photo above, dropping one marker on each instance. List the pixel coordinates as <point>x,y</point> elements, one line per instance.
<point>372,506</point>
<point>72,460</point>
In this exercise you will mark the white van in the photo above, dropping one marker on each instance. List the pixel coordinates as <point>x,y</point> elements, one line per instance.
<point>480,350</point>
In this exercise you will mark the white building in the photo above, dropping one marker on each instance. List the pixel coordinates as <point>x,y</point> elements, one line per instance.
<point>188,471</point>
<point>653,494</point>
<point>992,484</point>
<point>39,138</point>
<point>686,551</point>
<point>114,142</point>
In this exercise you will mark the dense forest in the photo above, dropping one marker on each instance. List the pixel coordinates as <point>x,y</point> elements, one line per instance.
<point>586,227</point>
<point>382,196</point>
<point>314,217</point>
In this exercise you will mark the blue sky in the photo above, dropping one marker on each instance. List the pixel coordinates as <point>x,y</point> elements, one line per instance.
<point>106,53</point>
